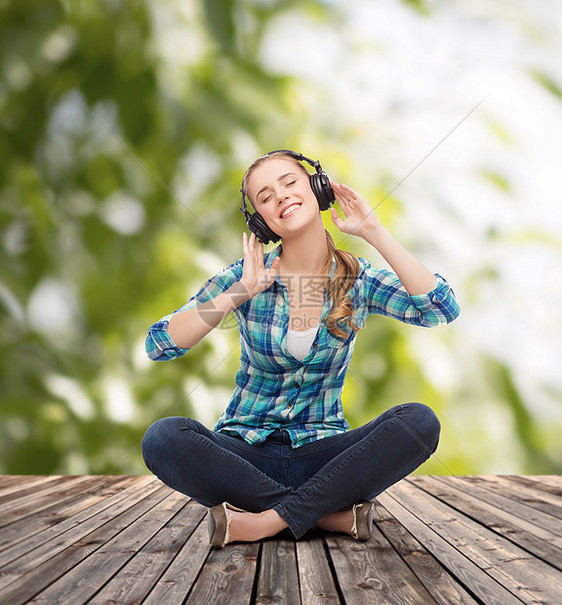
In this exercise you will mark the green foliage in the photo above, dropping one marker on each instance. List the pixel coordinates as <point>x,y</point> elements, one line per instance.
<point>548,82</point>
<point>97,245</point>
<point>536,462</point>
<point>418,5</point>
<point>121,164</point>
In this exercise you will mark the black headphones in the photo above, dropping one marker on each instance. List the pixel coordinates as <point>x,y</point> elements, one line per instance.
<point>319,183</point>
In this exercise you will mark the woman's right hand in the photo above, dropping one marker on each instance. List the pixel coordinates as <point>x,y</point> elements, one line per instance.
<point>255,277</point>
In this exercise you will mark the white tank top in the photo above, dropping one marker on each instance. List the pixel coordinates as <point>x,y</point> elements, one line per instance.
<point>299,343</point>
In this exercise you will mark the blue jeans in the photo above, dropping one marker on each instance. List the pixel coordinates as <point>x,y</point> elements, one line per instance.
<point>302,484</point>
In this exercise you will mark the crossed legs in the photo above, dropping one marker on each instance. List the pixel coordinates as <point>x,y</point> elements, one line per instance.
<point>338,471</point>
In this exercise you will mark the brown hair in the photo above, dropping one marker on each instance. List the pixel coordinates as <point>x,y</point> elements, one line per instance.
<point>347,265</point>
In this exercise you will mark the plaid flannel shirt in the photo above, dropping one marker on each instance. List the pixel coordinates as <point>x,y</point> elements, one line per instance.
<point>273,389</point>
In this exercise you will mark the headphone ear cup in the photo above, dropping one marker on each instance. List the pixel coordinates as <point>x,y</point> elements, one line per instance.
<point>320,185</point>
<point>258,226</point>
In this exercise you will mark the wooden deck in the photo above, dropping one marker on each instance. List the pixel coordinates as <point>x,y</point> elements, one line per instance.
<point>130,539</point>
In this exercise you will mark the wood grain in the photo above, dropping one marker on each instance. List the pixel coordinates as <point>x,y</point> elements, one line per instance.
<point>130,539</point>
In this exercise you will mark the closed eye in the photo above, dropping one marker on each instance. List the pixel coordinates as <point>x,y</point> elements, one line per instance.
<point>280,179</point>
<point>268,197</point>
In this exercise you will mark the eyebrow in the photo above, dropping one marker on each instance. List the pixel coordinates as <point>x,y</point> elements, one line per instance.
<point>279,179</point>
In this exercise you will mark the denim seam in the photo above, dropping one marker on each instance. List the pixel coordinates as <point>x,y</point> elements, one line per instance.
<point>239,447</point>
<point>398,412</point>
<point>253,451</point>
<point>316,451</point>
<point>209,443</point>
<point>288,518</point>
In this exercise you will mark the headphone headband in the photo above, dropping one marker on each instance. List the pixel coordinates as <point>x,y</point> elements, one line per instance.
<point>299,156</point>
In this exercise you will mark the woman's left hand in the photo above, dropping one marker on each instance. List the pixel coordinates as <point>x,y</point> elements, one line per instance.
<point>359,216</point>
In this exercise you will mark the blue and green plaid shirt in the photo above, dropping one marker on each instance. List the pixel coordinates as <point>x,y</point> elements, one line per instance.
<point>273,389</point>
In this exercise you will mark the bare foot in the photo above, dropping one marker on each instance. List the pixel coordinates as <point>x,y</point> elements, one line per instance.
<point>250,527</point>
<point>338,521</point>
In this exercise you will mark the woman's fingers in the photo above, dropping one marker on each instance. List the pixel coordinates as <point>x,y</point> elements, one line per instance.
<point>346,194</point>
<point>248,252</point>
<point>253,243</point>
<point>342,201</point>
<point>248,242</point>
<point>253,247</point>
<point>352,195</point>
<point>340,194</point>
<point>255,274</point>
<point>251,251</point>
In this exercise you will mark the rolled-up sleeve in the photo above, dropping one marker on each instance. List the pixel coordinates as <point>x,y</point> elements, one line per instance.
<point>158,344</point>
<point>386,295</point>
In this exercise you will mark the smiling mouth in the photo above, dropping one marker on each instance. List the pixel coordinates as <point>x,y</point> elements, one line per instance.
<point>290,210</point>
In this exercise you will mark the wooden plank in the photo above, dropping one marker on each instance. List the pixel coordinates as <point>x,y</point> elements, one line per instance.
<point>19,493</point>
<point>45,542</point>
<point>443,539</point>
<point>472,578</point>
<point>552,480</point>
<point>228,576</point>
<point>547,483</point>
<point>372,572</point>
<point>315,576</point>
<point>88,575</point>
<point>22,494</point>
<point>39,499</point>
<point>176,582</point>
<point>443,587</point>
<point>540,508</point>
<point>136,579</point>
<point>278,577</point>
<point>6,480</point>
<point>12,484</point>
<point>530,579</point>
<point>503,516</point>
<point>546,501</point>
<point>26,577</point>
<point>23,529</point>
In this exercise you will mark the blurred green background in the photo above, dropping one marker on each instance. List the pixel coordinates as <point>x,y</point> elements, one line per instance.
<point>126,127</point>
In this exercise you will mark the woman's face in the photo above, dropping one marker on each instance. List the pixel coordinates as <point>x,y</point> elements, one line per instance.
<point>276,185</point>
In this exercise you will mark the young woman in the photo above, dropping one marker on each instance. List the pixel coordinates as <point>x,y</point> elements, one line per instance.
<point>282,454</point>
